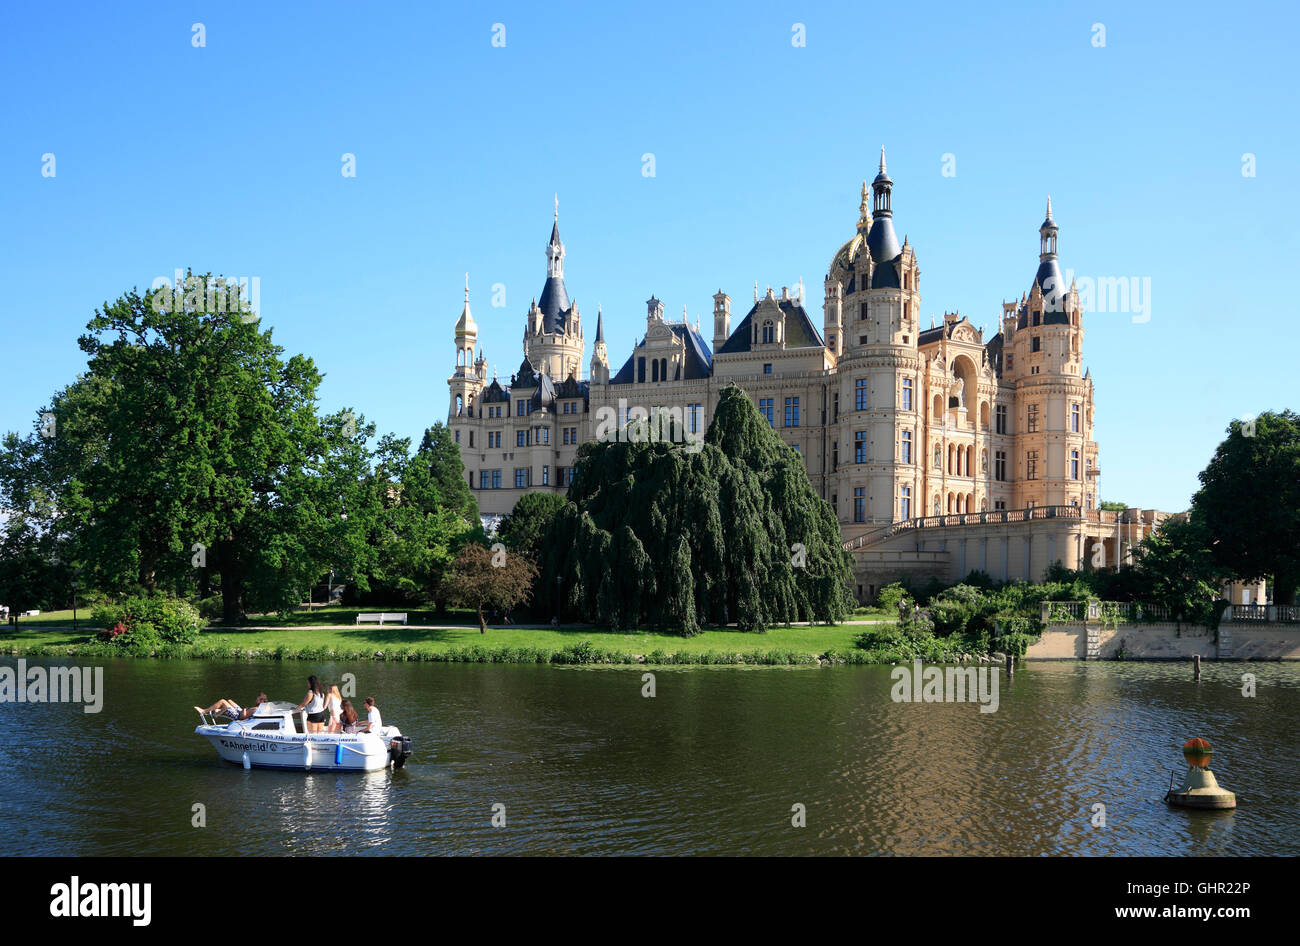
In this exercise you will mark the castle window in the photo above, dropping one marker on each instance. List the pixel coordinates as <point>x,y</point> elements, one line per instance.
<point>1032,419</point>
<point>999,504</point>
<point>471,438</point>
<point>519,437</point>
<point>862,315</point>
<point>546,476</point>
<point>859,504</point>
<point>693,418</point>
<point>1000,465</point>
<point>792,412</point>
<point>835,455</point>
<point>654,370</point>
<point>458,436</point>
<point>496,479</point>
<point>905,449</point>
<point>769,333</point>
<point>830,343</point>
<point>545,434</point>
<point>767,369</point>
<point>859,446</point>
<point>1074,464</point>
<point>907,393</point>
<point>905,503</point>
<point>836,408</point>
<point>1036,344</point>
<point>860,394</point>
<point>521,477</point>
<point>640,370</point>
<point>765,408</point>
<point>1000,419</point>
<point>1074,418</point>
<point>1031,465</point>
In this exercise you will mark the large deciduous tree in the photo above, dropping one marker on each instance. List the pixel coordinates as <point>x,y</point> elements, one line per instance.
<point>1249,501</point>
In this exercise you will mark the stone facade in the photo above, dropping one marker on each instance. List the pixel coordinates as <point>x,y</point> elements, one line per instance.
<point>924,440</point>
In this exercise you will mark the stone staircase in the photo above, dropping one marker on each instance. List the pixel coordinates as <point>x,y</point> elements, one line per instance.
<point>1225,642</point>
<point>1094,642</point>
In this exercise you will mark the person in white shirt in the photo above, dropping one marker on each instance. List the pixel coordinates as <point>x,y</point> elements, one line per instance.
<point>375,722</point>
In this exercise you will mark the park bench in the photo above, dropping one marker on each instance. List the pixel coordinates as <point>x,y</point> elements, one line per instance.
<point>381,616</point>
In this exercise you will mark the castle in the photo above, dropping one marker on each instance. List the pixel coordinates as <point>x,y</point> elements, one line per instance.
<point>940,451</point>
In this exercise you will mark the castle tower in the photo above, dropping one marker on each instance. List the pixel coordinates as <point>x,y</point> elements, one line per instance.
<point>876,284</point>
<point>466,382</point>
<point>553,341</point>
<point>599,356</point>
<point>721,319</point>
<point>1056,463</point>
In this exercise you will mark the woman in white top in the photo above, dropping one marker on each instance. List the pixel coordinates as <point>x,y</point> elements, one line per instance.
<point>335,703</point>
<point>314,704</point>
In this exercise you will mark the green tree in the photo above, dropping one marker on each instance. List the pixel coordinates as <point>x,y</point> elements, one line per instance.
<point>1249,501</point>
<point>672,537</point>
<point>191,452</point>
<point>442,453</point>
<point>415,531</point>
<point>525,528</point>
<point>1174,566</point>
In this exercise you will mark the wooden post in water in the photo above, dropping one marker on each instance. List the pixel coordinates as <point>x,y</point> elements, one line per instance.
<point>1196,663</point>
<point>1011,665</point>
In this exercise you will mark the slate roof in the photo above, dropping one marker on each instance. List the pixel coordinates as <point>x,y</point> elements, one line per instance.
<point>799,329</point>
<point>698,362</point>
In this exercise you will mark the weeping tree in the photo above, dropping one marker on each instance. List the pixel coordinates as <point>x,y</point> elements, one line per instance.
<point>673,536</point>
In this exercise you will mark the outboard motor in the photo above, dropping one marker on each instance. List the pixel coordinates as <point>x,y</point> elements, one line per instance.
<point>399,747</point>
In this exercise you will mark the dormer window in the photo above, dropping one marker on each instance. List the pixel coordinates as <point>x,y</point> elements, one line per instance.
<point>769,333</point>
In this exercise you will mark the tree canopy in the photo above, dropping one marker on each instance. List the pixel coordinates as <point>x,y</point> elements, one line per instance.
<point>1249,501</point>
<point>191,455</point>
<point>670,537</point>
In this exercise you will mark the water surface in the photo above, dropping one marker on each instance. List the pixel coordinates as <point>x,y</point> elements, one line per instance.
<point>584,764</point>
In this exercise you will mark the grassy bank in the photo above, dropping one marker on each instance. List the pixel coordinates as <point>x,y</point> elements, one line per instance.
<point>345,641</point>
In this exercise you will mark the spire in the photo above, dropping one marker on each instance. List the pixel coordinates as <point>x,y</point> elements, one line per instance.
<point>465,325</point>
<point>881,240</point>
<point>864,210</point>
<point>1047,234</point>
<point>600,328</point>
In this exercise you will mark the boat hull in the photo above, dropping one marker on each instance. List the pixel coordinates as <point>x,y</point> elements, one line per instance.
<point>314,752</point>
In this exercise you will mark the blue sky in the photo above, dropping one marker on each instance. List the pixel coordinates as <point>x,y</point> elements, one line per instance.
<point>228,158</point>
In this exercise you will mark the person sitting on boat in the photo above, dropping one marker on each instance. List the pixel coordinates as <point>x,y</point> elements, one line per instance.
<point>314,704</point>
<point>334,702</point>
<point>232,709</point>
<point>348,718</point>
<point>374,722</point>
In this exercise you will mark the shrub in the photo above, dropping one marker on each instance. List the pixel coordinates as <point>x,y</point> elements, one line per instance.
<point>148,620</point>
<point>890,595</point>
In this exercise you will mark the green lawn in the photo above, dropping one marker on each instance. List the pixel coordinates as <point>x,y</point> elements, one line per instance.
<point>342,635</point>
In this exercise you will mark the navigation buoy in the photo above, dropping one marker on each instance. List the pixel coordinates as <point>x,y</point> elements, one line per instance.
<point>247,764</point>
<point>1200,789</point>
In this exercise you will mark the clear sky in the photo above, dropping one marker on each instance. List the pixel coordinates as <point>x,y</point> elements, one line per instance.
<point>228,158</point>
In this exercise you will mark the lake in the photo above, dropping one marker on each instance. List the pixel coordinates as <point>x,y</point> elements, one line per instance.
<point>713,764</point>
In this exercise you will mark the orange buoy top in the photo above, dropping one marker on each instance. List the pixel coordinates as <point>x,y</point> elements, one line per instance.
<point>1197,753</point>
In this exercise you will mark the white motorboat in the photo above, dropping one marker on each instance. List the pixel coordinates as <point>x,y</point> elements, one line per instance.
<point>276,737</point>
